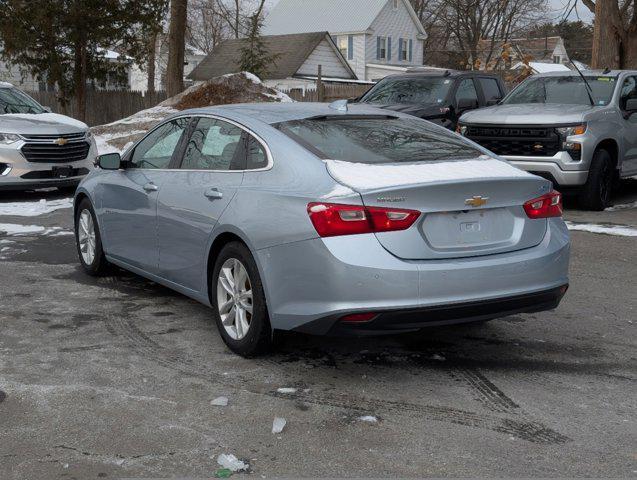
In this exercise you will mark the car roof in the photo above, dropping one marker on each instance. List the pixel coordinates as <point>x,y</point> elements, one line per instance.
<point>587,73</point>
<point>271,113</point>
<point>423,73</point>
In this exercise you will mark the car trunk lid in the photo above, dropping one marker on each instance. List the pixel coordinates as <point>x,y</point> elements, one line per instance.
<point>468,208</point>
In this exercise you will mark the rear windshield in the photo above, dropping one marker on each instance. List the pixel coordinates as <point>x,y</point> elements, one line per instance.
<point>13,100</point>
<point>432,90</point>
<point>378,140</point>
<point>567,90</point>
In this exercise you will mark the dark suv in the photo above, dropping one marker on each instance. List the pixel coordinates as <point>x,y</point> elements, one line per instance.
<point>438,96</point>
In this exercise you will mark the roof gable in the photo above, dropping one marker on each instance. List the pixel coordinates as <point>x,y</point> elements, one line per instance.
<point>292,51</point>
<point>334,16</point>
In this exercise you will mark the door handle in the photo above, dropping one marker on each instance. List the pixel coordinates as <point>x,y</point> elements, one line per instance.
<point>150,187</point>
<point>213,194</point>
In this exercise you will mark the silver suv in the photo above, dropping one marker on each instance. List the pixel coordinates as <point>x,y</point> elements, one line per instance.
<point>580,135</point>
<point>40,149</point>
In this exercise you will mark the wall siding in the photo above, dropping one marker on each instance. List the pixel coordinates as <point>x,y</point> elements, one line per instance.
<point>395,23</point>
<point>324,55</point>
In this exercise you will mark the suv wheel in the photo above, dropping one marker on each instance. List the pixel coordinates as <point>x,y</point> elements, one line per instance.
<point>596,192</point>
<point>89,240</point>
<point>238,302</point>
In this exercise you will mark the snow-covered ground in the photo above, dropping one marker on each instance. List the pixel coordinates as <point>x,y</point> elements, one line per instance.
<point>34,209</point>
<point>605,229</point>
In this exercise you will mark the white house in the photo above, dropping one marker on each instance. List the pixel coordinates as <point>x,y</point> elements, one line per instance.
<point>377,37</point>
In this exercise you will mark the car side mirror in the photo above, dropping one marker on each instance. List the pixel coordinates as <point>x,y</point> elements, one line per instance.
<point>467,104</point>
<point>493,101</point>
<point>109,161</point>
<point>47,109</point>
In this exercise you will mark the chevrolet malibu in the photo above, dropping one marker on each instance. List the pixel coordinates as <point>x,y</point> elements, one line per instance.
<point>325,220</point>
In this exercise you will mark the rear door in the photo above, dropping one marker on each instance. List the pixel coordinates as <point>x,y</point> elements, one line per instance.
<point>196,196</point>
<point>491,92</point>
<point>628,91</point>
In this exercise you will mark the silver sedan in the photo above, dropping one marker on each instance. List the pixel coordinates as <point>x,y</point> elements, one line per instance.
<point>324,219</point>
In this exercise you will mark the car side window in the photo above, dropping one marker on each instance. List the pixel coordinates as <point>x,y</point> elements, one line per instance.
<point>466,91</point>
<point>257,157</point>
<point>490,88</point>
<point>157,149</point>
<point>213,145</point>
<point>629,90</point>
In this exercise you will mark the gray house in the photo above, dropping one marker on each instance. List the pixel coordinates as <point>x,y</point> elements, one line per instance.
<point>296,66</point>
<point>377,37</point>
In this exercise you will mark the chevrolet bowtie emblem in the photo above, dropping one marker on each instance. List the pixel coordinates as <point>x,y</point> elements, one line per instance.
<point>476,201</point>
<point>61,141</point>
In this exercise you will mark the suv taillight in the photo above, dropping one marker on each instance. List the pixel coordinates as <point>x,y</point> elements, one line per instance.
<point>332,219</point>
<point>546,206</point>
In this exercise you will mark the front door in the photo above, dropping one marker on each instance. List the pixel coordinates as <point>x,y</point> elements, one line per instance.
<point>129,197</point>
<point>191,204</point>
<point>628,91</point>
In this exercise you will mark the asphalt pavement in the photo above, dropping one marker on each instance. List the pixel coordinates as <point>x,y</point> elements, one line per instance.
<point>113,377</point>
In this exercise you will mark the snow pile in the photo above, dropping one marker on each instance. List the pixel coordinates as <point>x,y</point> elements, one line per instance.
<point>608,229</point>
<point>234,88</point>
<point>219,402</point>
<point>34,209</point>
<point>363,176</point>
<point>232,463</point>
<point>368,419</point>
<point>18,230</point>
<point>278,425</point>
<point>625,206</point>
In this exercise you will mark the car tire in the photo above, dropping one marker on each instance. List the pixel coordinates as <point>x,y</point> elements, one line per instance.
<point>596,192</point>
<point>88,239</point>
<point>235,274</point>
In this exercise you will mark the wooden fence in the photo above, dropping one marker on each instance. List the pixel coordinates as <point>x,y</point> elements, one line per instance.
<point>332,93</point>
<point>103,106</point>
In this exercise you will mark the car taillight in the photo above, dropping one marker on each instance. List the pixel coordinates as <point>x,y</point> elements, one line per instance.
<point>332,219</point>
<point>546,206</point>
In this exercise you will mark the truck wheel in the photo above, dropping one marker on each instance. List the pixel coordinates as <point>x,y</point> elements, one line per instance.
<point>596,192</point>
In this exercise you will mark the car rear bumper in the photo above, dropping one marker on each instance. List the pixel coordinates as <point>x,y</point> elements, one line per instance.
<point>552,168</point>
<point>311,285</point>
<point>415,319</point>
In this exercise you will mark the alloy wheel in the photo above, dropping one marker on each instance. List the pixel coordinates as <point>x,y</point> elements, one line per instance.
<point>234,298</point>
<point>86,237</point>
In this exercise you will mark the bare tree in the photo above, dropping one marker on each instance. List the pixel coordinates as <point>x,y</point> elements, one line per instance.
<point>206,25</point>
<point>479,28</point>
<point>615,33</point>
<point>176,47</point>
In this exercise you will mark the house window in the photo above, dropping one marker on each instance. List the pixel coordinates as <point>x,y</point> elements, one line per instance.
<point>342,45</point>
<point>395,4</point>
<point>403,50</point>
<point>346,46</point>
<point>382,48</point>
<point>557,59</point>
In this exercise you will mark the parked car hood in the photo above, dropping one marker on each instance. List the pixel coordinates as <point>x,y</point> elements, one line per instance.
<point>415,109</point>
<point>528,114</point>
<point>40,123</point>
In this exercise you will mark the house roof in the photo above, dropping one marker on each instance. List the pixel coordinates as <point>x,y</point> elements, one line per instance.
<point>540,67</point>
<point>334,16</point>
<point>536,48</point>
<point>292,51</point>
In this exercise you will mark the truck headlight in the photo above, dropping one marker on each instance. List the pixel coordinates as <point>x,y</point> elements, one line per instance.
<point>8,138</point>
<point>571,130</point>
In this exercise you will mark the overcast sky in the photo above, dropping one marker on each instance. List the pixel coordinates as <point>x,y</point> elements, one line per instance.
<point>555,12</point>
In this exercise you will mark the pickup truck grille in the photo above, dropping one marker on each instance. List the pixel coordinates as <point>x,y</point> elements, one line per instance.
<point>52,149</point>
<point>516,140</point>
